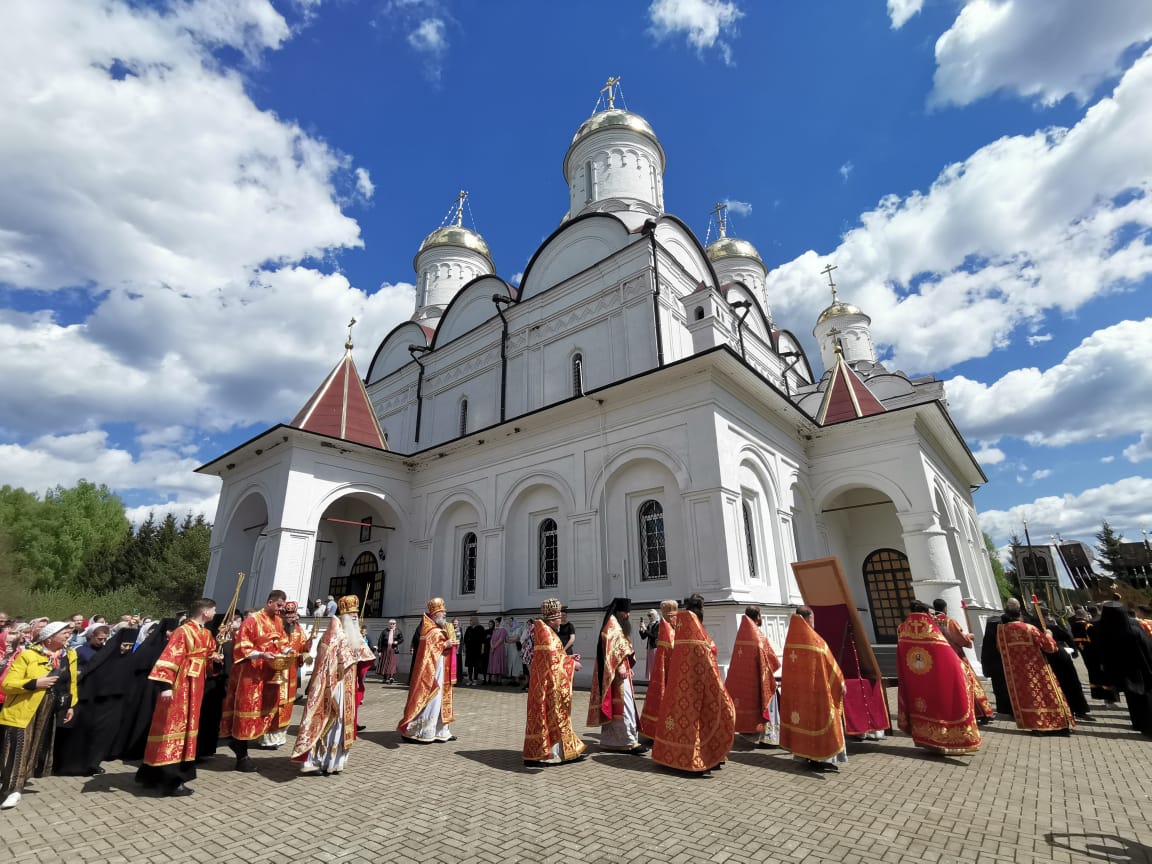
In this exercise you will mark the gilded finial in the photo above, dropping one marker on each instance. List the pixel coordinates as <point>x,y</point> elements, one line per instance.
<point>461,197</point>
<point>609,91</point>
<point>720,211</point>
<point>827,271</point>
<point>348,344</point>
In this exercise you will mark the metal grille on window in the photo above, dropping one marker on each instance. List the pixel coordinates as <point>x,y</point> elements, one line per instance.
<point>468,564</point>
<point>578,375</point>
<point>549,554</point>
<point>463,416</point>
<point>888,581</point>
<point>653,554</point>
<point>749,538</point>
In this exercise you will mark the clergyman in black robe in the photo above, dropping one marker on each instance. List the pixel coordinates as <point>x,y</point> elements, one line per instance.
<point>140,695</point>
<point>993,666</point>
<point>1125,652</point>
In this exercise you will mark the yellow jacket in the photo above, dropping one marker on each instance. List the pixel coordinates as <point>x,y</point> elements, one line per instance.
<point>20,704</point>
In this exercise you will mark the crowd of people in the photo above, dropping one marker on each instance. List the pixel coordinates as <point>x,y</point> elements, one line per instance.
<point>80,693</point>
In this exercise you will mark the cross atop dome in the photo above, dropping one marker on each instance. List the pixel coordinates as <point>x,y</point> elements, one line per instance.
<point>348,344</point>
<point>608,94</point>
<point>461,197</point>
<point>827,271</point>
<point>720,211</point>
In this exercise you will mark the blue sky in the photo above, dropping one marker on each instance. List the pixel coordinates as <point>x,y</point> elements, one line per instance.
<point>199,194</point>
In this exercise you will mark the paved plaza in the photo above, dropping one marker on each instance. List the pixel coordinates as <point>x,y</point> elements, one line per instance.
<point>1020,799</point>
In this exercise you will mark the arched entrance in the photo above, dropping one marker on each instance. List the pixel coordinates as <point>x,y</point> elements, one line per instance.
<point>359,535</point>
<point>888,580</point>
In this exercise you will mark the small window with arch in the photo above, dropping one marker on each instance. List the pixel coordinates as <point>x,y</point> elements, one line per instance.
<point>464,416</point>
<point>577,374</point>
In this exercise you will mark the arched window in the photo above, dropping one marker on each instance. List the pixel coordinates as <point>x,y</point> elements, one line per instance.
<point>749,537</point>
<point>549,553</point>
<point>699,313</point>
<point>577,374</point>
<point>653,554</point>
<point>888,581</point>
<point>464,416</point>
<point>468,564</point>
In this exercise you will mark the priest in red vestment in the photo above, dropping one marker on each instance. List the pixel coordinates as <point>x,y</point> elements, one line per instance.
<point>548,735</point>
<point>935,702</point>
<point>697,721</point>
<point>297,642</point>
<point>959,640</point>
<point>252,706</point>
<point>1038,704</point>
<point>612,702</point>
<point>170,754</point>
<point>428,710</point>
<point>328,726</point>
<point>812,697</point>
<point>658,676</point>
<point>751,682</point>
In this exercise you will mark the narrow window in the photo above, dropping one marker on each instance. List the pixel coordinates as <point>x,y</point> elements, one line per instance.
<point>463,416</point>
<point>749,538</point>
<point>699,313</point>
<point>549,565</point>
<point>653,554</point>
<point>468,564</point>
<point>588,182</point>
<point>578,375</point>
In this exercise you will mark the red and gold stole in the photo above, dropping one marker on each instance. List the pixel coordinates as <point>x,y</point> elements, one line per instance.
<point>658,678</point>
<point>422,686</point>
<point>549,718</point>
<point>1037,702</point>
<point>605,702</point>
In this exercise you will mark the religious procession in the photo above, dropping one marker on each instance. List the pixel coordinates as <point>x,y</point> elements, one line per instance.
<point>167,693</point>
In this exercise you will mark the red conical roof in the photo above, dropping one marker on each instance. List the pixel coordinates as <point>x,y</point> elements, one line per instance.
<point>340,408</point>
<point>847,396</point>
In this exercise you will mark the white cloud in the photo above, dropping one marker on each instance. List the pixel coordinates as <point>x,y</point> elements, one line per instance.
<point>1141,451</point>
<point>704,23</point>
<point>1108,459</point>
<point>1104,377</point>
<point>364,185</point>
<point>989,455</point>
<point>1039,337</point>
<point>846,171</point>
<point>1024,224</point>
<point>740,208</point>
<point>1042,49</point>
<point>430,39</point>
<point>901,10</point>
<point>1041,473</point>
<point>1126,504</point>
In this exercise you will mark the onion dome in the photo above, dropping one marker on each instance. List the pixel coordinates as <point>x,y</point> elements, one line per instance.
<point>459,236</point>
<point>731,247</point>
<point>838,308</point>
<point>617,118</point>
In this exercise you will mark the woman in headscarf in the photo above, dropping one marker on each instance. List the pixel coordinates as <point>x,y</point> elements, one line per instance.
<point>1125,654</point>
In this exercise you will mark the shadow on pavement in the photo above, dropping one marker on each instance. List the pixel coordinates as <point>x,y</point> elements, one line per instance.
<point>1102,847</point>
<point>388,738</point>
<point>918,753</point>
<point>626,761</point>
<point>502,760</point>
<point>775,760</point>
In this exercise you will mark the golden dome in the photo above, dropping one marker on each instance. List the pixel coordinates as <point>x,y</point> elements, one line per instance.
<point>616,118</point>
<point>837,309</point>
<point>456,235</point>
<point>731,247</point>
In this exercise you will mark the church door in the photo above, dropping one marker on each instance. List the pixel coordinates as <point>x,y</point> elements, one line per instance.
<point>365,580</point>
<point>888,580</point>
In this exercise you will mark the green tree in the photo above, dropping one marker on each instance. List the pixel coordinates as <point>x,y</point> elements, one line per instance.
<point>1002,583</point>
<point>1108,550</point>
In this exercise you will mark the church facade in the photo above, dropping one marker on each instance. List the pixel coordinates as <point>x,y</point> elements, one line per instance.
<point>629,421</point>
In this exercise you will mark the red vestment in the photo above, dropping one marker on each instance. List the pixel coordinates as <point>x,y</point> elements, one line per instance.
<point>549,719</point>
<point>298,642</point>
<point>1037,701</point>
<point>697,722</point>
<point>811,695</point>
<point>422,686</point>
<point>605,702</point>
<point>935,704</point>
<point>658,678</point>
<point>176,722</point>
<point>959,640</point>
<point>252,705</point>
<point>1146,625</point>
<point>751,680</point>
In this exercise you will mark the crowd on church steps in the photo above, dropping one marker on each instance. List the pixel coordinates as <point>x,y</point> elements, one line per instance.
<point>166,693</point>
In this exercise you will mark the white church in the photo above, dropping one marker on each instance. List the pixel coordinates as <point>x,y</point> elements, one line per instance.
<point>629,421</point>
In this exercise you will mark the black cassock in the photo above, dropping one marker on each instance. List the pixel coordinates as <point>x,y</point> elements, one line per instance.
<point>140,694</point>
<point>103,682</point>
<point>993,665</point>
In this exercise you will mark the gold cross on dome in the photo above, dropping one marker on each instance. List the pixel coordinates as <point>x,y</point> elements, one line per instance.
<point>720,211</point>
<point>351,324</point>
<point>827,271</point>
<point>609,90</point>
<point>461,197</point>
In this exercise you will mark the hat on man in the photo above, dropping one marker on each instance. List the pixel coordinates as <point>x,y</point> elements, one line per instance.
<point>435,606</point>
<point>291,607</point>
<point>348,605</point>
<point>550,608</point>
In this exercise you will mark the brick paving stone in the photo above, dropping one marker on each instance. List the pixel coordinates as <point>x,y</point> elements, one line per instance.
<point>1021,799</point>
